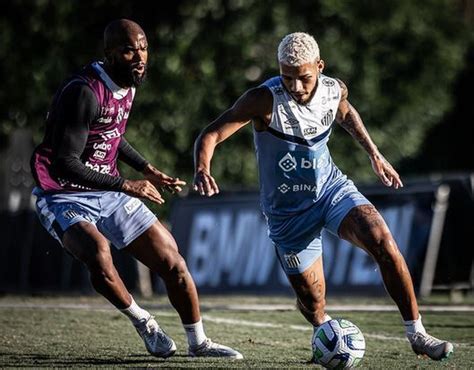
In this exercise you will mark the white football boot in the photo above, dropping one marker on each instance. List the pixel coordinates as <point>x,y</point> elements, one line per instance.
<point>157,342</point>
<point>210,349</point>
<point>434,348</point>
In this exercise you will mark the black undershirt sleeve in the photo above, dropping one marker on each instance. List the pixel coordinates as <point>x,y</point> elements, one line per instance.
<point>130,156</point>
<point>76,109</point>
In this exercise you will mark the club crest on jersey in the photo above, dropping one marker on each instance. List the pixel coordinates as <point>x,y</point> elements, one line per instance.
<point>328,82</point>
<point>328,118</point>
<point>287,163</point>
<point>292,260</point>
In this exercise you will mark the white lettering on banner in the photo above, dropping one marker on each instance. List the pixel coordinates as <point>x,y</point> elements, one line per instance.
<point>350,265</point>
<point>231,247</point>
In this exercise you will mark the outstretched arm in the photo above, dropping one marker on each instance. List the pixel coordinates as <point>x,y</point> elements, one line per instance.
<point>252,104</point>
<point>134,159</point>
<point>348,117</point>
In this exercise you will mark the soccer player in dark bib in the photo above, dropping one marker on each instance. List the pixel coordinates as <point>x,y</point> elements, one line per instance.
<point>302,190</point>
<point>86,205</point>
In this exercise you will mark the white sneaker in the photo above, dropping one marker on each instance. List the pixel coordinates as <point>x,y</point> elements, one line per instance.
<point>210,349</point>
<point>434,348</point>
<point>157,342</point>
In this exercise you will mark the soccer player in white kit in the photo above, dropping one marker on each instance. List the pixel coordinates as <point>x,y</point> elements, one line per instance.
<point>302,190</point>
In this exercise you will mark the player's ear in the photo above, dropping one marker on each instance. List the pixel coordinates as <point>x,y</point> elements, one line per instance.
<point>320,66</point>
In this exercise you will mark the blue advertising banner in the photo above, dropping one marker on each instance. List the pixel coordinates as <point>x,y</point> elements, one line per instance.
<point>224,241</point>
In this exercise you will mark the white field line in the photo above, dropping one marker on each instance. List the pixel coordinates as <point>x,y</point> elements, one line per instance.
<point>256,324</point>
<point>347,307</point>
<point>247,307</point>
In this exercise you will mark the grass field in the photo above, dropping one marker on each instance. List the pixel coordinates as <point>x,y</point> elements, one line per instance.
<point>87,332</point>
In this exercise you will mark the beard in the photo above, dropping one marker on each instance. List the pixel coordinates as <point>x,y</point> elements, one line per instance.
<point>127,76</point>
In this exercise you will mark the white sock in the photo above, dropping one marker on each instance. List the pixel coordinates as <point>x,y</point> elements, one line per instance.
<point>135,313</point>
<point>414,326</point>
<point>195,333</point>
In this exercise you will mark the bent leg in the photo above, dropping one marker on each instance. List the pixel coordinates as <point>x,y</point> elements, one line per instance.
<point>364,227</point>
<point>88,245</point>
<point>310,289</point>
<point>157,249</point>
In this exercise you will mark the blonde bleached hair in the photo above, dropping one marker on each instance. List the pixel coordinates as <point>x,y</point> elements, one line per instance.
<point>298,48</point>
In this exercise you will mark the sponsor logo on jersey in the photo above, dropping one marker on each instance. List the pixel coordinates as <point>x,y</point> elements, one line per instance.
<point>99,154</point>
<point>104,120</point>
<point>110,134</point>
<point>132,205</point>
<point>102,146</point>
<point>328,82</point>
<point>101,168</point>
<point>120,115</point>
<point>310,131</point>
<point>287,163</point>
<point>296,188</point>
<point>292,260</point>
<point>291,122</point>
<point>283,188</point>
<point>65,183</point>
<point>107,111</point>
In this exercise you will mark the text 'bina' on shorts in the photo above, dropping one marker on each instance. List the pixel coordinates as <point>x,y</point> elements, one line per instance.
<point>300,245</point>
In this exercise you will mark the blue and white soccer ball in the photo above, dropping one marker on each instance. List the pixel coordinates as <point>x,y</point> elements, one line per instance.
<point>338,344</point>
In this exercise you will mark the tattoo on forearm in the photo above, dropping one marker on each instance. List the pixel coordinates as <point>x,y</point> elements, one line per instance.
<point>353,124</point>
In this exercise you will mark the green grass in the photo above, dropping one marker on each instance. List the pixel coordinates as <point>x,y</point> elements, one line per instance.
<point>36,336</point>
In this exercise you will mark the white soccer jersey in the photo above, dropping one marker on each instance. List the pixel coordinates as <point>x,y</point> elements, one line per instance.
<point>294,162</point>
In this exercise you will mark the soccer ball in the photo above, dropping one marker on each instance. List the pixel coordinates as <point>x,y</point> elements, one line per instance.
<point>338,344</point>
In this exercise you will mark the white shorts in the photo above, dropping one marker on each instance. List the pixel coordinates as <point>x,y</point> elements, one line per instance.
<point>119,217</point>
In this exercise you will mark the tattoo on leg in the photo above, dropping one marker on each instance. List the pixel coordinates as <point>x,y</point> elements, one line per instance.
<point>313,278</point>
<point>366,218</point>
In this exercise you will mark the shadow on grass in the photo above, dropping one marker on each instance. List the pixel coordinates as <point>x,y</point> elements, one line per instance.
<point>136,360</point>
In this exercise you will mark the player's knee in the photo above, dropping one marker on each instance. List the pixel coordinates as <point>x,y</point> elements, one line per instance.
<point>101,260</point>
<point>177,269</point>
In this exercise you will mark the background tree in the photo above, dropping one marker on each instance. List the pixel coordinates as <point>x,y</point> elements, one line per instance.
<point>399,59</point>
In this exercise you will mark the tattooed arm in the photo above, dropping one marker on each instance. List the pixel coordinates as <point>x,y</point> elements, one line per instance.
<point>348,117</point>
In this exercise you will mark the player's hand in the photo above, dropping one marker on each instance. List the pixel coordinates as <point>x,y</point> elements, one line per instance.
<point>142,189</point>
<point>205,184</point>
<point>162,180</point>
<point>385,171</point>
